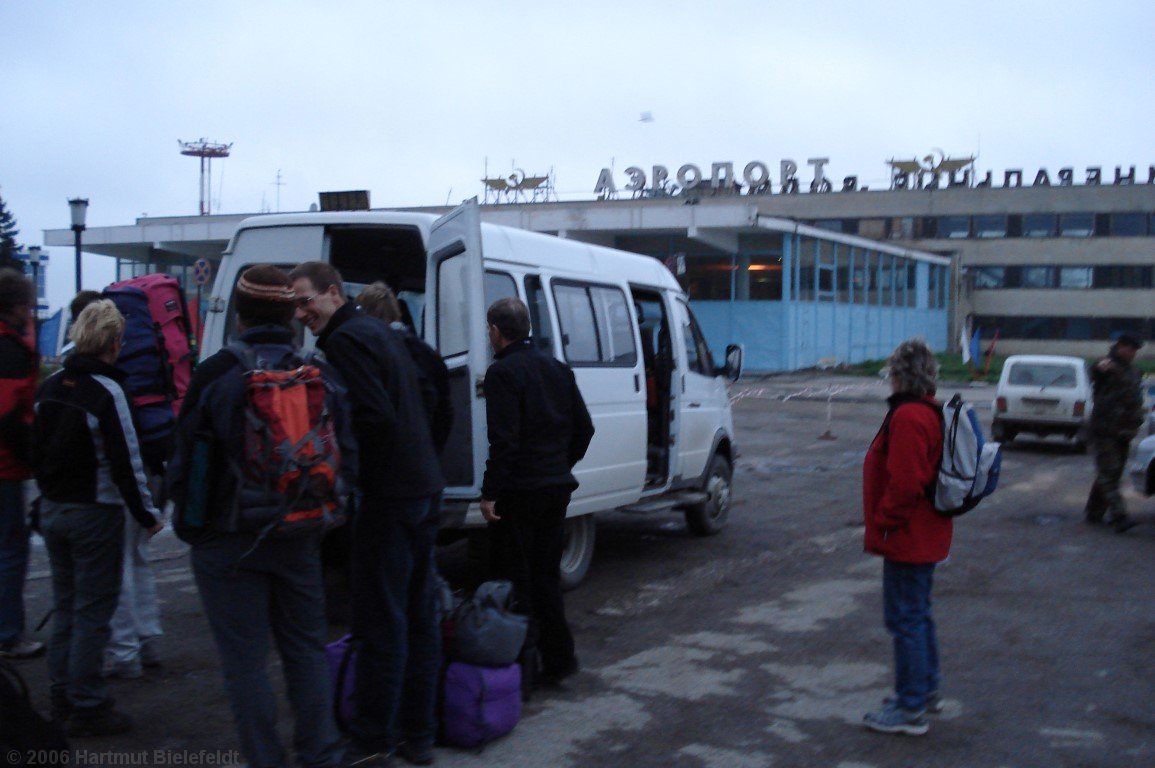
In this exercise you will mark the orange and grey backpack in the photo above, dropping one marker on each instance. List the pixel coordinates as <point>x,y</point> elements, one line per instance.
<point>288,475</point>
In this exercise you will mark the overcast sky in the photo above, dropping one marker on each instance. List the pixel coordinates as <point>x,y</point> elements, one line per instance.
<point>409,99</point>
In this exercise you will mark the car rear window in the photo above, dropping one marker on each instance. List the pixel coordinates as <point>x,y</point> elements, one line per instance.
<point>1043,375</point>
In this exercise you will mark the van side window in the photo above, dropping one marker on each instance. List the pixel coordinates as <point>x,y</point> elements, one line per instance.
<point>540,323</point>
<point>452,323</point>
<point>578,332</point>
<point>615,329</point>
<point>498,285</point>
<point>596,325</point>
<point>698,355</point>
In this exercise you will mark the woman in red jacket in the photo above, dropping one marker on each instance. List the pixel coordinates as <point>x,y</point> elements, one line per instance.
<point>904,529</point>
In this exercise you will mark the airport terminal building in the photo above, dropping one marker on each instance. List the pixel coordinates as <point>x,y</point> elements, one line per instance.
<point>806,271</point>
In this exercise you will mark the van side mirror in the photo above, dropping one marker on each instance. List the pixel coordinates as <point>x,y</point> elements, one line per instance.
<point>732,370</point>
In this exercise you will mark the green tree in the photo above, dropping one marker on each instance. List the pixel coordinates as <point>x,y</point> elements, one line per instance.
<point>8,233</point>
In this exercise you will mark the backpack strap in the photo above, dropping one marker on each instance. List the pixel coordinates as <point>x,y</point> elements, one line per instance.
<point>250,361</point>
<point>884,431</point>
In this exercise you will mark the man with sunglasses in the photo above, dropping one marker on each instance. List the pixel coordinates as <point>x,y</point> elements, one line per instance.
<point>394,525</point>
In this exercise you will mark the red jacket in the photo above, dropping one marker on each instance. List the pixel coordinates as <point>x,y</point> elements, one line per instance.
<point>902,462</point>
<point>19,370</point>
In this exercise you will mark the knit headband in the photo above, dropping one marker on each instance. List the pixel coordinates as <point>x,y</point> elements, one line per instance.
<point>279,293</point>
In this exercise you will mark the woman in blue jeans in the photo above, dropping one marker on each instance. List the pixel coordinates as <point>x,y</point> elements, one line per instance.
<point>903,528</point>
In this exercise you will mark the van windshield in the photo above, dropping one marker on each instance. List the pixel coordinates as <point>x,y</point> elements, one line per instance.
<point>1057,375</point>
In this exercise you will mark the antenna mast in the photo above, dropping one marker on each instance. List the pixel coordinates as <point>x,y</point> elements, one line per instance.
<point>206,151</point>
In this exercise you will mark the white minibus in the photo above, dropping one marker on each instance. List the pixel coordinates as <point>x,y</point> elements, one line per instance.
<point>665,436</point>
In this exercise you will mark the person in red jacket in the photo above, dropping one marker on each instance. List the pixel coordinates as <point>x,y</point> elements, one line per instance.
<point>903,528</point>
<point>19,368</point>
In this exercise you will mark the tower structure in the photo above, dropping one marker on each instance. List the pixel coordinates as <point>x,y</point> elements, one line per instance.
<point>206,151</point>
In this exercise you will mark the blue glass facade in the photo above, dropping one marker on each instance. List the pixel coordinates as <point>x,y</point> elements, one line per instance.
<point>797,299</point>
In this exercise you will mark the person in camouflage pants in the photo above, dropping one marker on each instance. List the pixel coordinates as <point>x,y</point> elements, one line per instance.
<point>1115,420</point>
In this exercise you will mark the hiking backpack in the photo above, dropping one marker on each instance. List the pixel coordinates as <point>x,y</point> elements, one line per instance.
<point>969,471</point>
<point>27,738</point>
<point>158,351</point>
<point>288,482</point>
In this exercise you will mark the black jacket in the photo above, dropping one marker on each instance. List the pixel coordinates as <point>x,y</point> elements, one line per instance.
<point>214,411</point>
<point>85,449</point>
<point>393,437</point>
<point>434,377</point>
<point>539,426</point>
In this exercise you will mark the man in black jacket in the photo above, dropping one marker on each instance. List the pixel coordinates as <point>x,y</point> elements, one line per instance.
<point>539,428</point>
<point>394,526</point>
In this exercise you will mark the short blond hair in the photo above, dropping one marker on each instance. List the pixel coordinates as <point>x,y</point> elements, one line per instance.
<point>379,301</point>
<point>98,328</point>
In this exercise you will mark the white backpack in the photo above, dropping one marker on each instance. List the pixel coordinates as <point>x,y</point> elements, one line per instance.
<point>970,466</point>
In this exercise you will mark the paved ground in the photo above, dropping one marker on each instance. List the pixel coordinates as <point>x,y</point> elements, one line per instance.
<point>763,646</point>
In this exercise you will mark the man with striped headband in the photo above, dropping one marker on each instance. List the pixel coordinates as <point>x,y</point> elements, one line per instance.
<point>252,584</point>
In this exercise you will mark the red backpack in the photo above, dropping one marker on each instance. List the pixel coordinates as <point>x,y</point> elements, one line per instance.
<point>288,472</point>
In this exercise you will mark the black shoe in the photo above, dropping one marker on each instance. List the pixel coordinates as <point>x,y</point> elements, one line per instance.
<point>1124,523</point>
<point>357,757</point>
<point>555,676</point>
<point>416,754</point>
<point>21,649</point>
<point>1093,518</point>
<point>101,720</point>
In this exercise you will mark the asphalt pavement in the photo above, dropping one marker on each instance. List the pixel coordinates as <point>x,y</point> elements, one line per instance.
<point>763,646</point>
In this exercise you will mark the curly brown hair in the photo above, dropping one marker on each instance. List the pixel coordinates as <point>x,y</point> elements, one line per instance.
<point>915,368</point>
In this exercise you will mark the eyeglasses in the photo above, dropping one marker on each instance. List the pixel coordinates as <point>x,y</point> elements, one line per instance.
<point>304,302</point>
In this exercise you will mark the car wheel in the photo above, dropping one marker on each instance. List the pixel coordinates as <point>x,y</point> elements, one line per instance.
<point>1000,433</point>
<point>577,551</point>
<point>708,517</point>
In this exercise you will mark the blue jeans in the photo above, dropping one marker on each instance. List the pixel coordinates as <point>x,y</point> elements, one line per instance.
<point>907,608</point>
<point>395,622</point>
<point>249,594</point>
<point>13,560</point>
<point>85,544</point>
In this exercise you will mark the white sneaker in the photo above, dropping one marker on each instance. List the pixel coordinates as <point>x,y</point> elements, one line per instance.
<point>122,670</point>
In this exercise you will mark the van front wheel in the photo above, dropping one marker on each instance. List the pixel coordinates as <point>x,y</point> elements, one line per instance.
<point>577,550</point>
<point>708,517</point>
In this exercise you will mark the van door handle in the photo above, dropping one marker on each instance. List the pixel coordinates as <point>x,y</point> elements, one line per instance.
<point>693,405</point>
<point>637,383</point>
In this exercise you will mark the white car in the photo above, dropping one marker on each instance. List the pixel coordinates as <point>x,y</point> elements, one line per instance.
<point>1143,467</point>
<point>1043,395</point>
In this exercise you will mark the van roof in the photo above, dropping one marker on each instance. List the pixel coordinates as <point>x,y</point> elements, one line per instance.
<point>581,260</point>
<point>499,243</point>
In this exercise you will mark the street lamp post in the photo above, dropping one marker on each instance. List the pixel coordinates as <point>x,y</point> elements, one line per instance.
<point>79,209</point>
<point>34,256</point>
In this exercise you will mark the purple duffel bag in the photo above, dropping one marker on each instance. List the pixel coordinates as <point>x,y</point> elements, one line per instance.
<point>342,657</point>
<point>480,704</point>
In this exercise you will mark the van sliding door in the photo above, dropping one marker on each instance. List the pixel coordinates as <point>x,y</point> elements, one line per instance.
<point>456,328</point>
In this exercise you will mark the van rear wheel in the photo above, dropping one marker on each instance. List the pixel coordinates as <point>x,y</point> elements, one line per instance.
<point>577,550</point>
<point>709,517</point>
